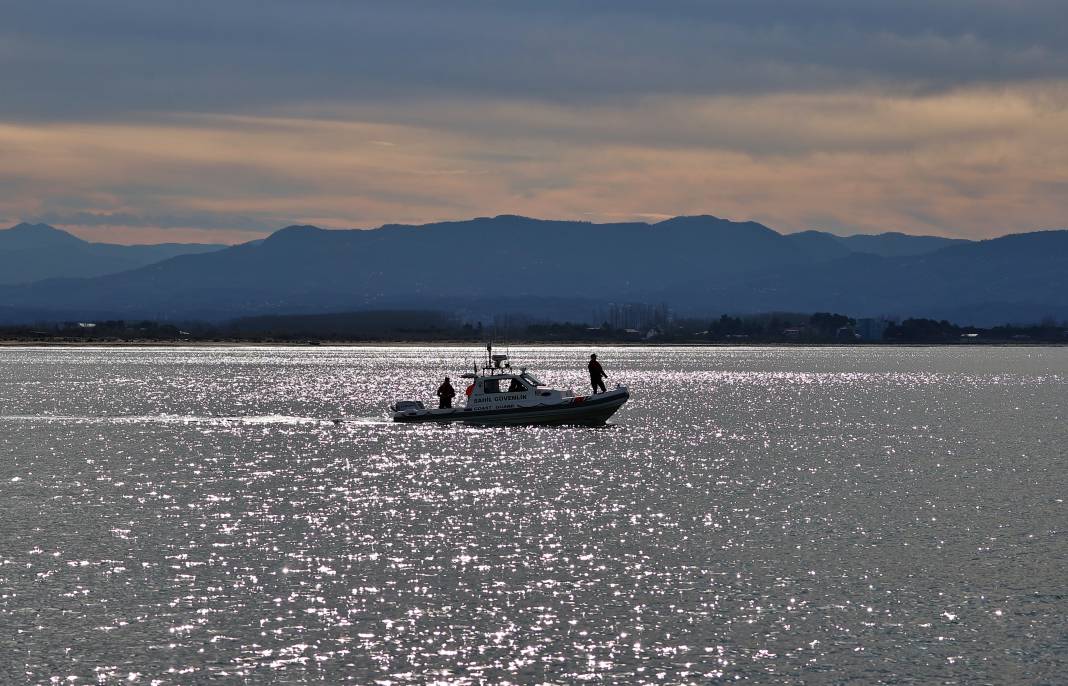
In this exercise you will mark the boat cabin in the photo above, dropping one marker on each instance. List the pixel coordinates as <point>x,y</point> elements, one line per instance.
<point>498,386</point>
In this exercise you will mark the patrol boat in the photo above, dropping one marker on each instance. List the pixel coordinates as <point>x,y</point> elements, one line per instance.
<point>498,396</point>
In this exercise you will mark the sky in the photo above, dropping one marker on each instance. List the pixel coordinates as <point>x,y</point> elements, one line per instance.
<point>132,121</point>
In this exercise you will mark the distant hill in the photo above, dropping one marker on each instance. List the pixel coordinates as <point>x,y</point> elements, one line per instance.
<point>697,264</point>
<point>32,252</point>
<point>1015,278</point>
<point>342,325</point>
<point>891,244</point>
<point>895,244</point>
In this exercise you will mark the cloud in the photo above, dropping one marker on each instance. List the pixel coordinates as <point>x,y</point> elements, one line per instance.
<point>239,117</point>
<point>202,220</point>
<point>978,162</point>
<point>112,57</point>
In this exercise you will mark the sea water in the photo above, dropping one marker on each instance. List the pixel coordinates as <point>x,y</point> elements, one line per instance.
<point>796,515</point>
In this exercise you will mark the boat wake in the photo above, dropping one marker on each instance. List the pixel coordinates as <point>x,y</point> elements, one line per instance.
<point>214,420</point>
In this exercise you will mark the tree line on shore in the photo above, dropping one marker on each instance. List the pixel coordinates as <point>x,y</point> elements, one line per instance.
<point>410,325</point>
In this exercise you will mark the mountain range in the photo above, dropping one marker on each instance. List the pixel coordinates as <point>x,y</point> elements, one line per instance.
<point>32,252</point>
<point>564,269</point>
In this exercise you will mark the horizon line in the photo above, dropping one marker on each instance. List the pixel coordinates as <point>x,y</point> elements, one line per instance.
<point>260,235</point>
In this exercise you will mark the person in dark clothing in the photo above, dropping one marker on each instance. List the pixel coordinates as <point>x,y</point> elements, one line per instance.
<point>597,374</point>
<point>445,394</point>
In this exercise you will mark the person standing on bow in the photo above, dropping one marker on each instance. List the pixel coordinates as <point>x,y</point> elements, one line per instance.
<point>597,374</point>
<point>445,394</point>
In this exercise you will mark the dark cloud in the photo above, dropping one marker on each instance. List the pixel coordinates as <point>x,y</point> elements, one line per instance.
<point>74,60</point>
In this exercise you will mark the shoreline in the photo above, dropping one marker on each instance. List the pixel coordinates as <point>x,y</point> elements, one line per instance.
<point>146,343</point>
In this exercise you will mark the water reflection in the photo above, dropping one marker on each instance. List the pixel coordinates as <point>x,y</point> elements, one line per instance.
<point>824,515</point>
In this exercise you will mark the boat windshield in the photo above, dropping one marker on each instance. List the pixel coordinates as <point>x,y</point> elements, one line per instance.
<point>510,384</point>
<point>529,377</point>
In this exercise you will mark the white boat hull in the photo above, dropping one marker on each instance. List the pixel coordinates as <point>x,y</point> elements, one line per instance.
<point>589,410</point>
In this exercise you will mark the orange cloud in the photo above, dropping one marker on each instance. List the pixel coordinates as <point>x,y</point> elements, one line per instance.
<point>975,162</point>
